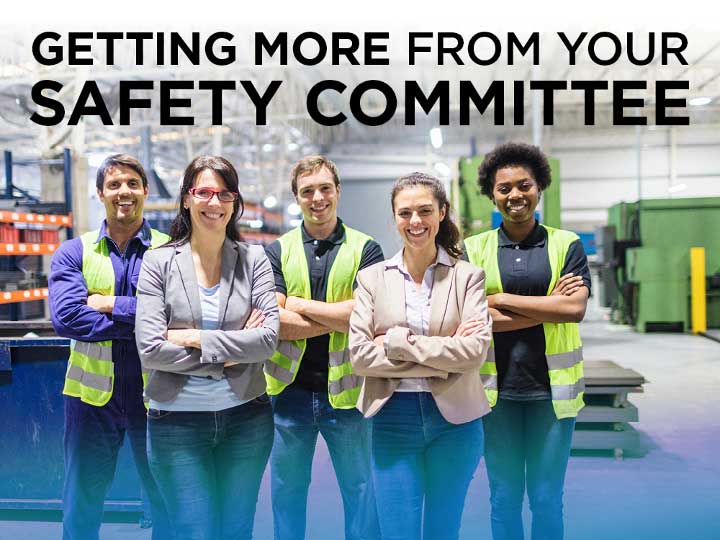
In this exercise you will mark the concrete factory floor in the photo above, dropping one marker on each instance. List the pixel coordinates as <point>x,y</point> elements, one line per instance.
<point>666,490</point>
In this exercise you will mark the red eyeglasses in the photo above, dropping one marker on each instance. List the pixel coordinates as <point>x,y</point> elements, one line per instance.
<point>205,194</point>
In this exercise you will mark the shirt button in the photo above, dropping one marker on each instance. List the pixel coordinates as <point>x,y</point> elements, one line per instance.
<point>317,258</point>
<point>517,247</point>
<point>315,242</point>
<point>214,357</point>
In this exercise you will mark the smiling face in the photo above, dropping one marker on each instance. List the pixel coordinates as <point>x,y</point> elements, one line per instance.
<point>123,195</point>
<point>417,217</point>
<point>211,216</point>
<point>516,194</point>
<point>317,196</point>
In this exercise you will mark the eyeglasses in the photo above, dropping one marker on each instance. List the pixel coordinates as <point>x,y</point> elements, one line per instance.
<point>205,194</point>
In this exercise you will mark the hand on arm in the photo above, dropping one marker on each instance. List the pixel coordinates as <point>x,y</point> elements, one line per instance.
<point>367,351</point>
<point>101,303</point>
<point>507,321</point>
<point>185,337</point>
<point>568,284</point>
<point>255,320</point>
<point>191,337</point>
<point>72,316</point>
<point>248,345</point>
<point>468,328</point>
<point>156,350</point>
<point>333,315</point>
<point>296,326</point>
<point>566,306</point>
<point>464,351</point>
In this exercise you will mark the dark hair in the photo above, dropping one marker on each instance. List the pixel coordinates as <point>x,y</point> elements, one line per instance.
<point>119,160</point>
<point>448,235</point>
<point>181,227</point>
<point>512,154</point>
<point>310,165</point>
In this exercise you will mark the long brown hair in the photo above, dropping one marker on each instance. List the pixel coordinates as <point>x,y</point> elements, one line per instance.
<point>181,227</point>
<point>448,235</point>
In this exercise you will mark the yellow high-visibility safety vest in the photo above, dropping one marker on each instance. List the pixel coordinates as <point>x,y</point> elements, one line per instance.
<point>90,373</point>
<point>563,347</point>
<point>282,367</point>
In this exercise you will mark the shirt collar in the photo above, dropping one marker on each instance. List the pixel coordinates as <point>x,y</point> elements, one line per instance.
<point>397,260</point>
<point>536,238</point>
<point>144,233</point>
<point>336,237</point>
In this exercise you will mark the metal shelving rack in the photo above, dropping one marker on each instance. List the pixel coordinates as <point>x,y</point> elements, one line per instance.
<point>44,227</point>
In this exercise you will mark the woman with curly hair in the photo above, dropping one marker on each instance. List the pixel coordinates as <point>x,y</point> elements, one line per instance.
<point>538,285</point>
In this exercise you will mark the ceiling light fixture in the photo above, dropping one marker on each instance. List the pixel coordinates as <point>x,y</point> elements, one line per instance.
<point>436,138</point>
<point>700,101</point>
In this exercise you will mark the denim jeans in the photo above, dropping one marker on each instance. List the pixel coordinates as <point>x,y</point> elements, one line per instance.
<point>526,443</point>
<point>418,456</point>
<point>92,440</point>
<point>208,466</point>
<point>299,416</point>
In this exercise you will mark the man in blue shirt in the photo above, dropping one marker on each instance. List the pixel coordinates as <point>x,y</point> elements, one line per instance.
<point>92,301</point>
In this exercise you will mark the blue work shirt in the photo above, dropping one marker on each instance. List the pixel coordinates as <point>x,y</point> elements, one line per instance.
<point>73,318</point>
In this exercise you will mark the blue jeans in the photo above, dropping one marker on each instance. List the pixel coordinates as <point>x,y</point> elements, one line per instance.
<point>299,416</point>
<point>525,442</point>
<point>208,466</point>
<point>92,440</point>
<point>419,456</point>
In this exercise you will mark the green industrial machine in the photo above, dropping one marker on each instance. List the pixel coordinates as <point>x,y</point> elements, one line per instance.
<point>475,211</point>
<point>647,261</point>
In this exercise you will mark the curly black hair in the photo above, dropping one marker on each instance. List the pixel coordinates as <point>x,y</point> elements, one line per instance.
<point>512,154</point>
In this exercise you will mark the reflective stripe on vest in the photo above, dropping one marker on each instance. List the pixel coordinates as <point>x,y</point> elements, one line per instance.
<point>288,350</point>
<point>90,373</point>
<point>563,347</point>
<point>281,369</point>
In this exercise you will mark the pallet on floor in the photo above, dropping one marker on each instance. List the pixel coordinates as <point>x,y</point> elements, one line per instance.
<point>604,422</point>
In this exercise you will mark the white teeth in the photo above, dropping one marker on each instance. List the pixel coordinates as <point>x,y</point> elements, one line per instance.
<point>126,203</point>
<point>417,233</point>
<point>212,216</point>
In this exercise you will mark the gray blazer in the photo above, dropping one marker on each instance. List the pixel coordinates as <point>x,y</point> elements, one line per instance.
<point>168,298</point>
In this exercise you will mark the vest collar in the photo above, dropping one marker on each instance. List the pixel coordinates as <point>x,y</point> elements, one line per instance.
<point>536,238</point>
<point>336,237</point>
<point>144,234</point>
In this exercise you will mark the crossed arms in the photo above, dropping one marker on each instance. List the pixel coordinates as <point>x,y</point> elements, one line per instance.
<point>77,314</point>
<point>566,303</point>
<point>410,355</point>
<point>301,318</point>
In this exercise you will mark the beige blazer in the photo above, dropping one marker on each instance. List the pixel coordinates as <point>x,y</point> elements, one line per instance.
<point>451,364</point>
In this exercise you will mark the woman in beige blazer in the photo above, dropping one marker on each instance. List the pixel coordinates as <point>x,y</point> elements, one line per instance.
<point>419,334</point>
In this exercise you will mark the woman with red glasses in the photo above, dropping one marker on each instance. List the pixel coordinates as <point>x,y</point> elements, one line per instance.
<point>207,319</point>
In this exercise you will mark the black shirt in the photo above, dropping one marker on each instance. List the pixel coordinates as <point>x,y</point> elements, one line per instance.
<point>525,269</point>
<point>320,255</point>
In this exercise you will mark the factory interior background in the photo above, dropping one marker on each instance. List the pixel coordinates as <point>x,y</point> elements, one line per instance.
<point>644,462</point>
